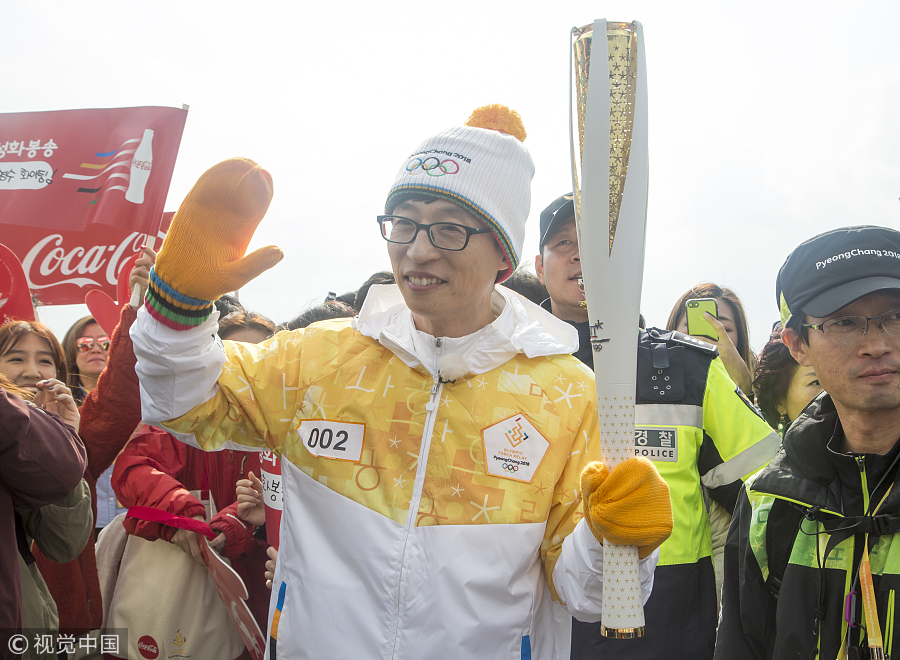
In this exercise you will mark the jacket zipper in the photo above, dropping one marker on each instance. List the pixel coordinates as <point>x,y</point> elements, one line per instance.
<point>431,413</point>
<point>805,505</point>
<point>861,461</point>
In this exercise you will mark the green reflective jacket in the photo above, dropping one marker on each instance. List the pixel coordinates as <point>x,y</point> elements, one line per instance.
<point>787,511</point>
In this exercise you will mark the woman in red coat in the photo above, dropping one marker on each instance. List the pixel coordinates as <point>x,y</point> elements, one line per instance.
<point>156,470</point>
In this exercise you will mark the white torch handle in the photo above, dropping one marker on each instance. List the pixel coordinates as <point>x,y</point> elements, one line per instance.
<point>623,612</point>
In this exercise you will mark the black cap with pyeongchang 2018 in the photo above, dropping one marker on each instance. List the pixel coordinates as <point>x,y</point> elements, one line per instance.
<point>831,270</point>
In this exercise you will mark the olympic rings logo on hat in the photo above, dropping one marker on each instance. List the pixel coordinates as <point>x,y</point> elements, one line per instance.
<point>509,467</point>
<point>432,166</point>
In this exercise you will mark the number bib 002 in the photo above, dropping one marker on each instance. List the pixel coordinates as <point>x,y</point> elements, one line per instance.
<point>340,440</point>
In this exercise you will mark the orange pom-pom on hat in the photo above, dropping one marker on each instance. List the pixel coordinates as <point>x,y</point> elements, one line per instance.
<point>498,117</point>
<point>481,166</point>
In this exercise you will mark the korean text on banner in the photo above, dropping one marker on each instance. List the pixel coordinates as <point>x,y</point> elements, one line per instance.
<point>81,189</point>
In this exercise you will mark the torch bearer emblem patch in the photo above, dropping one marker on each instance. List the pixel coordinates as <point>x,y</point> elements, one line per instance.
<point>513,448</point>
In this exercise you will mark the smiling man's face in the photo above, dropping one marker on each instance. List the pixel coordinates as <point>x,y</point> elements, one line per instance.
<point>559,267</point>
<point>449,292</point>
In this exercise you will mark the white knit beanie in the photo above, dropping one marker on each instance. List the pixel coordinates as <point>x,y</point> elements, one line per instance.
<point>483,167</point>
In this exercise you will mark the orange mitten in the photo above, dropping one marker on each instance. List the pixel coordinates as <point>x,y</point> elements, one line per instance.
<point>628,505</point>
<point>203,254</point>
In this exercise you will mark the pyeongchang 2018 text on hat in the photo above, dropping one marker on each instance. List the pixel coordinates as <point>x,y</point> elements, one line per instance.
<point>857,253</point>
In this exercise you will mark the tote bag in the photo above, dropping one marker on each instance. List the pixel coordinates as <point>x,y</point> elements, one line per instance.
<point>167,601</point>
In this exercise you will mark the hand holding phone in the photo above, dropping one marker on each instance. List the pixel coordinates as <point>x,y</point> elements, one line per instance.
<point>697,324</point>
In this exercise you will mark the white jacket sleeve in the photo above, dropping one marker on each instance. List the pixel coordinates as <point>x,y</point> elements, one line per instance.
<point>178,369</point>
<point>578,574</point>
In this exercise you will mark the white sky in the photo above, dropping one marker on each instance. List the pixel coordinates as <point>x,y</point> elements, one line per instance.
<point>769,122</point>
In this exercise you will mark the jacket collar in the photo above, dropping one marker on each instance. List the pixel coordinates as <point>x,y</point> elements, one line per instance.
<point>810,468</point>
<point>520,326</point>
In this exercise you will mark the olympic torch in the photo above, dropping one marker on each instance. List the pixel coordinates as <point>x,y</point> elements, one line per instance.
<point>608,123</point>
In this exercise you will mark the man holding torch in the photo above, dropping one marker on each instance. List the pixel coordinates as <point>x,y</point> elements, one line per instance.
<point>433,448</point>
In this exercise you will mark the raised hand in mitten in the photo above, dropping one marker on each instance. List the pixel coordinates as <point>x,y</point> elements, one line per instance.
<point>203,254</point>
<point>628,505</point>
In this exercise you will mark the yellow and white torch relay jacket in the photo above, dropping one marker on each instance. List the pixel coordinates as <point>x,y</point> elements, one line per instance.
<point>422,519</point>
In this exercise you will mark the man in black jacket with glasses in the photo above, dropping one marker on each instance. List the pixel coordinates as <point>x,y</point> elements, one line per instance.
<point>812,562</point>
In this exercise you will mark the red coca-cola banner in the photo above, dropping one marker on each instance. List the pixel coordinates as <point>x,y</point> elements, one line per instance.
<point>62,266</point>
<point>80,190</point>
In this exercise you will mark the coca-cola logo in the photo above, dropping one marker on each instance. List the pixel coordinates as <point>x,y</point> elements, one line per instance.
<point>148,647</point>
<point>97,265</point>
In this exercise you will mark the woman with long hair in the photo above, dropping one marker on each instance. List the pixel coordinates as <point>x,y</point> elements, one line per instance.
<point>731,326</point>
<point>31,367</point>
<point>86,346</point>
<point>739,360</point>
<point>32,359</point>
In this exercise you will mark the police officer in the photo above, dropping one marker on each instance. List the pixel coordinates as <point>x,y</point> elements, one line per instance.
<point>699,430</point>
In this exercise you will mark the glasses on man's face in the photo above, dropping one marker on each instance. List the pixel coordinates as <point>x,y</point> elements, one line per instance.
<point>443,235</point>
<point>86,344</point>
<point>850,329</point>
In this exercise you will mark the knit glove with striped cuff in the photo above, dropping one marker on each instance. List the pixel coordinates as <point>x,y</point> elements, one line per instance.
<point>202,257</point>
<point>628,505</point>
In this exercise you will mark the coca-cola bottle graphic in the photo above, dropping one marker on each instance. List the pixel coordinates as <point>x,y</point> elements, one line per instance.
<point>140,169</point>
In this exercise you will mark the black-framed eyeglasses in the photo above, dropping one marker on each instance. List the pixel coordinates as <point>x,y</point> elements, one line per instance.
<point>443,235</point>
<point>850,329</point>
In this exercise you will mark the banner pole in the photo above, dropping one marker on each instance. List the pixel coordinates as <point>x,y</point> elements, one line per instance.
<point>150,243</point>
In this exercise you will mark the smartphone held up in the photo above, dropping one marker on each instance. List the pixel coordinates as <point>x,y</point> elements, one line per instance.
<point>698,325</point>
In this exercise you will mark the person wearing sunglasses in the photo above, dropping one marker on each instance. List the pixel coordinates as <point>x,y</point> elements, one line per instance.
<point>811,565</point>
<point>87,349</point>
